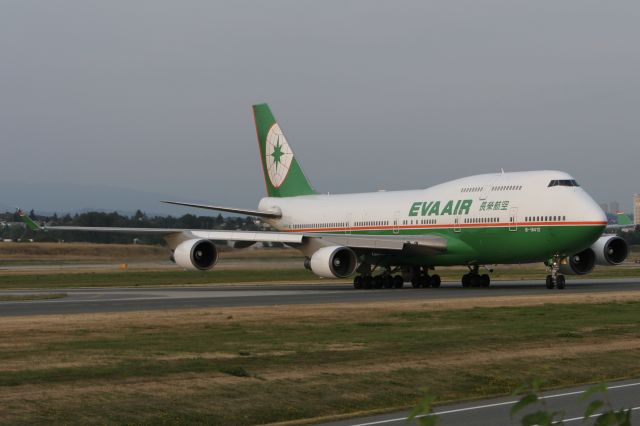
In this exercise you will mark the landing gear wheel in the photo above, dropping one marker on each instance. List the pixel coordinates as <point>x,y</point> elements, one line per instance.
<point>415,282</point>
<point>367,282</point>
<point>485,281</point>
<point>398,281</point>
<point>435,281</point>
<point>377,281</point>
<point>387,281</point>
<point>466,280</point>
<point>560,282</point>
<point>425,281</point>
<point>550,283</point>
<point>474,280</point>
<point>358,282</point>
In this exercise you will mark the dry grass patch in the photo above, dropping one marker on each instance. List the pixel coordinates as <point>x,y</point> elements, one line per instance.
<point>282,363</point>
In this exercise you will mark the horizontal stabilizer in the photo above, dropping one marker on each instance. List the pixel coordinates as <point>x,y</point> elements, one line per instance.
<point>257,213</point>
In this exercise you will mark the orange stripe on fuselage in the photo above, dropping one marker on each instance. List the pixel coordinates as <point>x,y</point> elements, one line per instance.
<point>449,225</point>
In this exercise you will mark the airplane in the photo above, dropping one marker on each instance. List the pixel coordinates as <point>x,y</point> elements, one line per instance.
<point>387,238</point>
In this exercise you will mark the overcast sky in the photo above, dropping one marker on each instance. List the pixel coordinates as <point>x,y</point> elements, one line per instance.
<point>155,95</point>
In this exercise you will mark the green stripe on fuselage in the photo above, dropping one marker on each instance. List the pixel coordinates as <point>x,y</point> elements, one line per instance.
<point>489,245</point>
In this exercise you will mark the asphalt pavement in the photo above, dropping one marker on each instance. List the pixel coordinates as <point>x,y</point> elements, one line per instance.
<point>91,300</point>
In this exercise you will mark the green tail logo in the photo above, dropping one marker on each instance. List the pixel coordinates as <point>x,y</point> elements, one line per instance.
<point>623,219</point>
<point>282,173</point>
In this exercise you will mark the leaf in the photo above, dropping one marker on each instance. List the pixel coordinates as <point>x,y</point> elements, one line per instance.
<point>592,407</point>
<point>623,417</point>
<point>608,418</point>
<point>599,388</point>
<point>428,421</point>
<point>536,385</point>
<point>540,418</point>
<point>520,390</point>
<point>524,401</point>
<point>423,407</point>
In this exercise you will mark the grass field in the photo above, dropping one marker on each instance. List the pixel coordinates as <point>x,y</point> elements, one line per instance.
<point>260,365</point>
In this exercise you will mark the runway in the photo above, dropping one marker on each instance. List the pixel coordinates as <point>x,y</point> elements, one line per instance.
<point>495,412</point>
<point>228,295</point>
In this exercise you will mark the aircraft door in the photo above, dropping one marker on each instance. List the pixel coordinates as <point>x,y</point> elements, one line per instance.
<point>513,219</point>
<point>348,224</point>
<point>396,222</point>
<point>456,224</point>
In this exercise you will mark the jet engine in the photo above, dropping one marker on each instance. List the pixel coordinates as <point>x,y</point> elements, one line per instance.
<point>578,264</point>
<point>196,255</point>
<point>610,250</point>
<point>333,262</point>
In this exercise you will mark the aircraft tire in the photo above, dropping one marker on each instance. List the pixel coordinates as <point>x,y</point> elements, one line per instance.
<point>377,281</point>
<point>367,282</point>
<point>415,282</point>
<point>387,281</point>
<point>398,281</point>
<point>466,280</point>
<point>549,282</point>
<point>560,282</point>
<point>485,280</point>
<point>435,281</point>
<point>425,282</point>
<point>358,282</point>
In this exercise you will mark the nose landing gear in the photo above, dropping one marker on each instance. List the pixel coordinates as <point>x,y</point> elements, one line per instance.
<point>555,280</point>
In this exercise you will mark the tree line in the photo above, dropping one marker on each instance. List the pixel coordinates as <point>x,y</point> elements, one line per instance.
<point>13,229</point>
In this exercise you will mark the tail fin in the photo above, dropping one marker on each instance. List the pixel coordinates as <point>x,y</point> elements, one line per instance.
<point>283,175</point>
<point>623,219</point>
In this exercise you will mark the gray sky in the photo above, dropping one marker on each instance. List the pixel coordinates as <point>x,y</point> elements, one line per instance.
<point>155,95</point>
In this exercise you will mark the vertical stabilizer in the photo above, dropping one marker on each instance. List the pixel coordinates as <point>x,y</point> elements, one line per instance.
<point>623,219</point>
<point>283,175</point>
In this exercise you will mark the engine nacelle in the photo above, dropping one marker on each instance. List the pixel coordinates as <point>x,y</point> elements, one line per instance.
<point>578,264</point>
<point>610,250</point>
<point>334,262</point>
<point>196,255</point>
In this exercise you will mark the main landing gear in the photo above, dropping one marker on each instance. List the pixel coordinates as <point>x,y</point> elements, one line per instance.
<point>555,280</point>
<point>419,278</point>
<point>378,281</point>
<point>474,279</point>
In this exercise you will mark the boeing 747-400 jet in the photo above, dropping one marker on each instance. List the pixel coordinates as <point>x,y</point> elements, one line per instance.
<point>388,238</point>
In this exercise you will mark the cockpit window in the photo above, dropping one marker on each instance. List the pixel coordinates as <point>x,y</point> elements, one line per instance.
<point>563,182</point>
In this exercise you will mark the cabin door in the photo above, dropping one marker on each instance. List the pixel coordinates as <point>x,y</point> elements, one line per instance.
<point>513,219</point>
<point>396,222</point>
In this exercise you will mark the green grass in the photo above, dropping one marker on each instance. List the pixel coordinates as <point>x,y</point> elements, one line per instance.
<point>327,382</point>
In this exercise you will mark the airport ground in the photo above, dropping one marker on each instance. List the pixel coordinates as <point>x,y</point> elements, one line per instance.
<point>301,361</point>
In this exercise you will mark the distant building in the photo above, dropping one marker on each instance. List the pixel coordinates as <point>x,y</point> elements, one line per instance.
<point>636,209</point>
<point>604,207</point>
<point>614,207</point>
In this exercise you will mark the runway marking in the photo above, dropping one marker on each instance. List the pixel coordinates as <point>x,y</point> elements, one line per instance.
<point>498,404</point>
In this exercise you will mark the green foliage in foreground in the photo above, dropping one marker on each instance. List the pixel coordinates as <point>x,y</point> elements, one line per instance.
<point>537,412</point>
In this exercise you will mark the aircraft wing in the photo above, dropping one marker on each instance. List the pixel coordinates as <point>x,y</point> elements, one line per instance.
<point>257,213</point>
<point>424,244</point>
